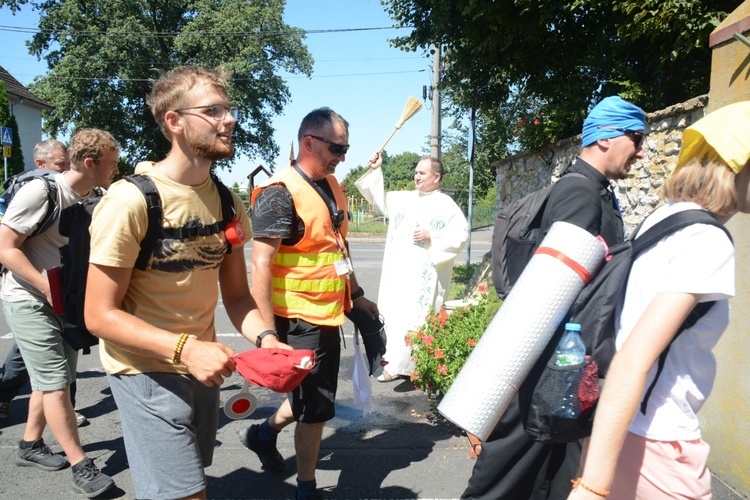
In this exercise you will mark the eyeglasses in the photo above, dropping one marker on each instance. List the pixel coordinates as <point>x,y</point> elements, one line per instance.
<point>335,149</point>
<point>218,111</point>
<point>635,135</point>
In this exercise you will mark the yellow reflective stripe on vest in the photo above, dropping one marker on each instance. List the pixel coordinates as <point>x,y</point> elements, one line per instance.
<point>318,309</point>
<point>306,259</point>
<point>308,285</point>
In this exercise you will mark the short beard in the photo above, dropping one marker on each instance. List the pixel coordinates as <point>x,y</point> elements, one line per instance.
<point>208,148</point>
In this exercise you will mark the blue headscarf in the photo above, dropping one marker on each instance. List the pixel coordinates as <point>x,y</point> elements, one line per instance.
<point>612,113</point>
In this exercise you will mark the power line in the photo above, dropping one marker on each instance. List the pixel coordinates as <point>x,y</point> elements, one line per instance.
<point>172,34</point>
<point>82,78</point>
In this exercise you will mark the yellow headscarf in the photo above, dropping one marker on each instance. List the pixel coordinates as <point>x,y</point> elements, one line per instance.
<point>723,134</point>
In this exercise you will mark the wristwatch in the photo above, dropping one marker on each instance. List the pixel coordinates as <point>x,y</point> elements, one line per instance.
<point>358,294</point>
<point>264,334</point>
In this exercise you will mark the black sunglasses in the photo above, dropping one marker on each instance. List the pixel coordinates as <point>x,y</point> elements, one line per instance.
<point>635,135</point>
<point>335,149</point>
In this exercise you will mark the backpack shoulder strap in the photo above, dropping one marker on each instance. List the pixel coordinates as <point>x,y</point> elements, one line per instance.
<point>154,207</point>
<point>697,313</point>
<point>228,210</point>
<point>660,230</point>
<point>53,204</point>
<point>672,224</point>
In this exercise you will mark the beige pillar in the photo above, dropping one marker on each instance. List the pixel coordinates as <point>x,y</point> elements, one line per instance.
<point>725,419</point>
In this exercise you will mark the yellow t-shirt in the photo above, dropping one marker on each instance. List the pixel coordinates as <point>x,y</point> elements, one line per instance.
<point>178,291</point>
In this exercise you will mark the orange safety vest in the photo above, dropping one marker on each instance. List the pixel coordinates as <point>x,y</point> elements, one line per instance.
<point>304,280</point>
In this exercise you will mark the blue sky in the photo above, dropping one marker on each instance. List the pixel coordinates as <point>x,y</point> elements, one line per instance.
<point>356,73</point>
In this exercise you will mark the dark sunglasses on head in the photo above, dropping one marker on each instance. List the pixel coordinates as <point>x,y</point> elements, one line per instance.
<point>335,149</point>
<point>635,135</point>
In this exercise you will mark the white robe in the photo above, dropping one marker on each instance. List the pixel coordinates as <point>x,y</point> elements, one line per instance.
<point>415,276</point>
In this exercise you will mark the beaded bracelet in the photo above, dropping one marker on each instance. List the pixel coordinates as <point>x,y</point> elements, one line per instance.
<point>579,482</point>
<point>178,348</point>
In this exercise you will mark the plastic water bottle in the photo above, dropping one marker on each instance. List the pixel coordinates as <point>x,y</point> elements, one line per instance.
<point>2,207</point>
<point>572,349</point>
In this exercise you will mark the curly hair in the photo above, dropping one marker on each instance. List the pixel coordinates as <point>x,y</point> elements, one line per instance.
<point>90,143</point>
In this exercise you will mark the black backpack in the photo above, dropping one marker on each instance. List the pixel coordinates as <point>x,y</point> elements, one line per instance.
<point>74,257</point>
<point>541,394</point>
<point>516,236</point>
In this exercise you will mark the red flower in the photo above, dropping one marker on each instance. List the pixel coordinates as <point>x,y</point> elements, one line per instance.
<point>428,339</point>
<point>471,342</point>
<point>439,354</point>
<point>482,288</point>
<point>537,122</point>
<point>442,369</point>
<point>522,122</point>
<point>442,317</point>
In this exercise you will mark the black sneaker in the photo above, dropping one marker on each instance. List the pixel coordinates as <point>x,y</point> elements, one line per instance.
<point>314,496</point>
<point>39,455</point>
<point>269,456</point>
<point>4,409</point>
<point>88,480</point>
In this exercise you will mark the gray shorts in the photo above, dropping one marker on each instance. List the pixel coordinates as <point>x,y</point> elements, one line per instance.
<point>169,425</point>
<point>50,361</point>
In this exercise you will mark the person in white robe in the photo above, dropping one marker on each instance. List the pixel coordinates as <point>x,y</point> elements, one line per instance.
<point>426,231</point>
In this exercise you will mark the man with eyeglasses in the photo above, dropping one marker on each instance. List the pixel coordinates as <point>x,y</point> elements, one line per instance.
<point>512,465</point>
<point>158,337</point>
<point>426,232</point>
<point>303,283</point>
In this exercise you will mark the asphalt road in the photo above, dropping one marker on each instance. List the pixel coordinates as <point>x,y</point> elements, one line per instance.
<point>401,449</point>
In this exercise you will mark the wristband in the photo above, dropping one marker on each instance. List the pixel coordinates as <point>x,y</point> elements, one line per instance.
<point>358,294</point>
<point>264,334</point>
<point>178,348</point>
<point>579,482</point>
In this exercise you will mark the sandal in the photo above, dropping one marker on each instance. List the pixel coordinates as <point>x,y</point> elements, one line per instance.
<point>386,377</point>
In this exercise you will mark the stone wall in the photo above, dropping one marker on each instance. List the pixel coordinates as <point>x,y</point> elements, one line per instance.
<point>638,194</point>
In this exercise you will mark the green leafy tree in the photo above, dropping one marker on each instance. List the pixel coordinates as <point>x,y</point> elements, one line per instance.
<point>455,160</point>
<point>101,55</point>
<point>550,60</point>
<point>398,173</point>
<point>15,162</point>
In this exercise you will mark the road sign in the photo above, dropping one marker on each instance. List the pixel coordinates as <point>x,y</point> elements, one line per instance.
<point>6,133</point>
<point>6,151</point>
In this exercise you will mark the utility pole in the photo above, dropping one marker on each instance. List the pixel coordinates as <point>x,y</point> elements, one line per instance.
<point>470,210</point>
<point>436,138</point>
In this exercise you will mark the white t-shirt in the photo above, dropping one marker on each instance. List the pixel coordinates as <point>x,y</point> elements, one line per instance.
<point>25,212</point>
<point>698,259</point>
